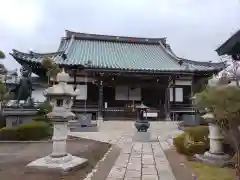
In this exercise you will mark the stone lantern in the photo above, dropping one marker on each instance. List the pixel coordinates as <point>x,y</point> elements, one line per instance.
<point>215,155</point>
<point>61,98</point>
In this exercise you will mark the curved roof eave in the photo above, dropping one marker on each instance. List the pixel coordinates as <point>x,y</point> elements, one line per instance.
<point>228,44</point>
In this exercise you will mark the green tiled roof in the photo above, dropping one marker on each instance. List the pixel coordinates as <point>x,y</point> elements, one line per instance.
<point>112,52</point>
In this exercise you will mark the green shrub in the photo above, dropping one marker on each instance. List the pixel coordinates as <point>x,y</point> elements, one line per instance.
<point>41,118</point>
<point>193,141</point>
<point>35,130</point>
<point>179,144</point>
<point>44,108</point>
<point>2,121</point>
<point>9,134</point>
<point>196,148</point>
<point>198,133</point>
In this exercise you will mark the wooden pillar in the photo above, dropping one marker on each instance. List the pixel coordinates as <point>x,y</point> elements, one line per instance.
<point>75,79</point>
<point>167,101</point>
<point>100,99</point>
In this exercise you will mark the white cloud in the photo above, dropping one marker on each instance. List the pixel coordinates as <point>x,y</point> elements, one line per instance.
<point>20,15</point>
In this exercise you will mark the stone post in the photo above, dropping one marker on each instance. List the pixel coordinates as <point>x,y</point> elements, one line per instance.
<point>216,138</point>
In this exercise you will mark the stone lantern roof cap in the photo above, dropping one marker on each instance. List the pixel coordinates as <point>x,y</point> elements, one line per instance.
<point>62,88</point>
<point>63,76</point>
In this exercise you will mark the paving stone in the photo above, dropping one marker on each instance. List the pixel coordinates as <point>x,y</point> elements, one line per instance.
<point>149,170</point>
<point>132,166</point>
<point>133,174</point>
<point>149,177</point>
<point>136,155</point>
<point>135,160</point>
<point>148,161</point>
<point>148,165</point>
<point>147,156</point>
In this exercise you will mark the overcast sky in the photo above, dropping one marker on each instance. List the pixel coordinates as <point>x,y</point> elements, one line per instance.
<point>194,28</point>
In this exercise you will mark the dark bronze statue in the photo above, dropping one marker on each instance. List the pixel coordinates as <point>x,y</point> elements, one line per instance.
<point>23,91</point>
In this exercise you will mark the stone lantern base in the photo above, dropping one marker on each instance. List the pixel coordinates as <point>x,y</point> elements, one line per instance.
<point>62,164</point>
<point>216,154</point>
<point>215,159</point>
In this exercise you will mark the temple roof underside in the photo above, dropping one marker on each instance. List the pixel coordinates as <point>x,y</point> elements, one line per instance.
<point>93,51</point>
<point>231,46</point>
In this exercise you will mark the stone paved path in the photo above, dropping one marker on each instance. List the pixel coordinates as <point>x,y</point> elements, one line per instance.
<point>137,160</point>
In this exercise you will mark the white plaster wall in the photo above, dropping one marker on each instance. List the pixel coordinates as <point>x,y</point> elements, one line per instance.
<point>37,94</point>
<point>82,92</point>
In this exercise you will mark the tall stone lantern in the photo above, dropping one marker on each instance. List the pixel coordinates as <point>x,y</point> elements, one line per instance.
<point>61,98</point>
<point>215,155</point>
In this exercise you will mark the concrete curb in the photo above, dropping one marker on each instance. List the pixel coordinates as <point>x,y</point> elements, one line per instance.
<point>96,168</point>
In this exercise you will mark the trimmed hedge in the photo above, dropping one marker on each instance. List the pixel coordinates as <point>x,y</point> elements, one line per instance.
<point>193,141</point>
<point>35,130</point>
<point>42,118</point>
<point>198,133</point>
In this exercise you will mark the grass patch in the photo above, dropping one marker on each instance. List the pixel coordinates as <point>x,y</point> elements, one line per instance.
<point>209,172</point>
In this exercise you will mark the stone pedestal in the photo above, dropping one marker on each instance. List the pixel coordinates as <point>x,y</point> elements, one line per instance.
<point>142,136</point>
<point>59,159</point>
<point>60,132</point>
<point>16,116</point>
<point>215,155</point>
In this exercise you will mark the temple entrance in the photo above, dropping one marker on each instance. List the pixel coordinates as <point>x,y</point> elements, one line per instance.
<point>153,97</point>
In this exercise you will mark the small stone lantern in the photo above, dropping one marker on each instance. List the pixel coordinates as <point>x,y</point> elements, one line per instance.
<point>61,98</point>
<point>142,123</point>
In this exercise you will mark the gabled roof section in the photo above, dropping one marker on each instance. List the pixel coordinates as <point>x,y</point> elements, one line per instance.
<point>228,45</point>
<point>116,52</point>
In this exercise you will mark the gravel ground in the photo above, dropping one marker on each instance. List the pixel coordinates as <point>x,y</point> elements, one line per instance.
<point>15,156</point>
